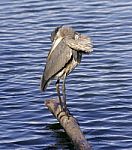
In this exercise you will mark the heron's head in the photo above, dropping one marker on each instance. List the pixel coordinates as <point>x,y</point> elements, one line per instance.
<point>72,38</point>
<point>62,32</point>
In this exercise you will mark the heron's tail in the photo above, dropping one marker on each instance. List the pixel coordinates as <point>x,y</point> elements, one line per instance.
<point>43,84</point>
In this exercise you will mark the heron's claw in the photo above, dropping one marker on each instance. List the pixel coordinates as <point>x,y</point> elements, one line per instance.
<point>67,111</point>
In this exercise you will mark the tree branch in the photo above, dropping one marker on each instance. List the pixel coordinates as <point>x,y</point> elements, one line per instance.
<point>69,124</point>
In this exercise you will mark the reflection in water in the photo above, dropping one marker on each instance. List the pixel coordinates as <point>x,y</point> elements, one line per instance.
<point>61,138</point>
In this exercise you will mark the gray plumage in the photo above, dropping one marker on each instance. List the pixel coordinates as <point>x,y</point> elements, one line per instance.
<point>56,62</point>
<point>64,56</point>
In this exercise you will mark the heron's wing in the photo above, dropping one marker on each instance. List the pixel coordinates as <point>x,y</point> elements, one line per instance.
<point>82,44</point>
<point>56,61</point>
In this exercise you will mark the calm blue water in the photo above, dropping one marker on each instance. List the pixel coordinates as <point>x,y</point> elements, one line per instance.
<point>99,91</point>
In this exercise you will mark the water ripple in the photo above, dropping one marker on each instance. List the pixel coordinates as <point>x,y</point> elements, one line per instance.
<point>99,90</point>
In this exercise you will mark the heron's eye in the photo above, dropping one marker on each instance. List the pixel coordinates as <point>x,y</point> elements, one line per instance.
<point>76,36</point>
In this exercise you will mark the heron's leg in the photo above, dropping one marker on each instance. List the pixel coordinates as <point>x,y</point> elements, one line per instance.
<point>58,92</point>
<point>64,93</point>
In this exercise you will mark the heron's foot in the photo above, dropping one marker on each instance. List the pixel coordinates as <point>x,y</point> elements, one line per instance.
<point>65,109</point>
<point>61,108</point>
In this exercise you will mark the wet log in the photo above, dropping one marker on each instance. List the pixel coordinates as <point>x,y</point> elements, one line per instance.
<point>70,125</point>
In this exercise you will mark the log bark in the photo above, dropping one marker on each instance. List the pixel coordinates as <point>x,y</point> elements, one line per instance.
<point>70,125</point>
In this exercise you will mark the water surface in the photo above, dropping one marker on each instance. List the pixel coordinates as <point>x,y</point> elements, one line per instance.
<point>99,91</point>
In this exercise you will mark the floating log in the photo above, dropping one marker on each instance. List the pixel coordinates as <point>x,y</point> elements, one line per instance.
<point>70,125</point>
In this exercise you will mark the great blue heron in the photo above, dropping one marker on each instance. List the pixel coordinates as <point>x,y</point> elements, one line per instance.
<point>64,56</point>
